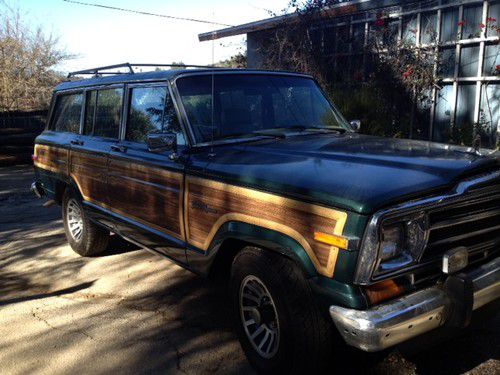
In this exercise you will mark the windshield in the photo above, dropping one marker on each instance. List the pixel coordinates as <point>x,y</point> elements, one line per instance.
<point>250,104</point>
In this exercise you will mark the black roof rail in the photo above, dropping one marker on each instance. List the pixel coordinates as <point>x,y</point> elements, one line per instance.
<point>103,70</point>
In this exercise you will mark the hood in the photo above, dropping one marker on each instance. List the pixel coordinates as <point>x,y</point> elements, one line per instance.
<point>351,171</point>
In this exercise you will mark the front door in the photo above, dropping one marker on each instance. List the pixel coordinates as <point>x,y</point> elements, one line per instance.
<point>146,189</point>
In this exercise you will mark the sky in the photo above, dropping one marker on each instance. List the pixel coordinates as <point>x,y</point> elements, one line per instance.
<point>99,37</point>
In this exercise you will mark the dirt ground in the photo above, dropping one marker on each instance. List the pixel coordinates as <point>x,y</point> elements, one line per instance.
<point>131,312</point>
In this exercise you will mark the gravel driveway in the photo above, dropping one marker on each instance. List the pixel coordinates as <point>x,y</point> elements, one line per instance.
<point>131,312</point>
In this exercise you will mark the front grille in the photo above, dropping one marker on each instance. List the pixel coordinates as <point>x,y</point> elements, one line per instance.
<point>473,223</point>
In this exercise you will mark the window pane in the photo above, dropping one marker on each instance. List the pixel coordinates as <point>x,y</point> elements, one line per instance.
<point>493,18</point>
<point>490,111</point>
<point>443,113</point>
<point>88,124</point>
<point>410,30</point>
<point>109,105</point>
<point>447,62</point>
<point>145,112</point>
<point>329,39</point>
<point>67,113</point>
<point>358,37</point>
<point>469,59</point>
<point>463,131</point>
<point>491,60</point>
<point>428,28</point>
<point>449,25</point>
<point>343,39</point>
<point>472,21</point>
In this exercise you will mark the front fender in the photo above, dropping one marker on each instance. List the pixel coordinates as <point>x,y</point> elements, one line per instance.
<point>326,290</point>
<point>202,261</point>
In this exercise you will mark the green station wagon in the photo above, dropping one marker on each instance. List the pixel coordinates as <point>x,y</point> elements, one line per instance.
<point>254,175</point>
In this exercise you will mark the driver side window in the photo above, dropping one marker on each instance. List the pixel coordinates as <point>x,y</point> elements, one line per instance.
<point>151,110</point>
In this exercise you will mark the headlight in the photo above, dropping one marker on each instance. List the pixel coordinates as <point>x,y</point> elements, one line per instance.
<point>391,244</point>
<point>401,244</point>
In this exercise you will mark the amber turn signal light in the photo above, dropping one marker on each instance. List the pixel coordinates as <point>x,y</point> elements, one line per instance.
<point>332,239</point>
<point>383,291</point>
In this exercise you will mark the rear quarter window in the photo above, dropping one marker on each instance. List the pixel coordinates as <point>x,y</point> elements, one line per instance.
<point>67,112</point>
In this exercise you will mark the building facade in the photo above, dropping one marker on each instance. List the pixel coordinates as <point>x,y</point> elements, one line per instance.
<point>465,34</point>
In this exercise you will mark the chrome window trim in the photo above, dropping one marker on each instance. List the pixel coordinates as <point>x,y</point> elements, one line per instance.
<point>367,260</point>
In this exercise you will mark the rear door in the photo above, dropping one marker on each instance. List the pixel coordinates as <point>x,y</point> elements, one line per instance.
<point>145,188</point>
<point>52,148</point>
<point>89,151</point>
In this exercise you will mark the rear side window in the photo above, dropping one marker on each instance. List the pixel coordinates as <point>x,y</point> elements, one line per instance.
<point>107,114</point>
<point>67,113</point>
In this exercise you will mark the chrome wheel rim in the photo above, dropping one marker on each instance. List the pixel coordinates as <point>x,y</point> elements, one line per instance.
<point>259,316</point>
<point>74,219</point>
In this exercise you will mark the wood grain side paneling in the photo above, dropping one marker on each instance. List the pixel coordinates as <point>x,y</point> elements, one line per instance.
<point>209,204</point>
<point>52,158</point>
<point>146,194</point>
<point>89,171</point>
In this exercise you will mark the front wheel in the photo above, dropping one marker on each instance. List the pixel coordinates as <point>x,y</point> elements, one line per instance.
<point>280,327</point>
<point>84,237</point>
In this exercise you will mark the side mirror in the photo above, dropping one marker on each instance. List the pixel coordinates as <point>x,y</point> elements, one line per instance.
<point>356,125</point>
<point>160,142</point>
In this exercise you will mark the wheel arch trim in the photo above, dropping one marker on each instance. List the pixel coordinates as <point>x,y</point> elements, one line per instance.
<point>265,237</point>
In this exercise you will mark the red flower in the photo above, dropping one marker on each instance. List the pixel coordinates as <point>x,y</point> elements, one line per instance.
<point>461,23</point>
<point>482,26</point>
<point>491,19</point>
<point>408,73</point>
<point>498,68</point>
<point>379,22</point>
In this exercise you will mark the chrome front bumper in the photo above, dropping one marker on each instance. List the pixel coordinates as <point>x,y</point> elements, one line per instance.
<point>412,315</point>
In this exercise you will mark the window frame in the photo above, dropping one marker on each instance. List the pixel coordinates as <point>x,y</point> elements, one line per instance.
<point>128,92</point>
<point>53,105</point>
<point>84,112</point>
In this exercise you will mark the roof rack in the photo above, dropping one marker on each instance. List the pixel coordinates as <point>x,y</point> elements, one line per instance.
<point>103,70</point>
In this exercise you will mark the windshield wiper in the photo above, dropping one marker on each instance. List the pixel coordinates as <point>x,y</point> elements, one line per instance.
<point>323,129</point>
<point>242,135</point>
<point>298,128</point>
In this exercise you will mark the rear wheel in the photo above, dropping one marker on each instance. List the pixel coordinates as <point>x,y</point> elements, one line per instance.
<point>280,327</point>
<point>84,237</point>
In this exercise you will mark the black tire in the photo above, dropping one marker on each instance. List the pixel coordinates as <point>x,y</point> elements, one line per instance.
<point>305,334</point>
<point>91,239</point>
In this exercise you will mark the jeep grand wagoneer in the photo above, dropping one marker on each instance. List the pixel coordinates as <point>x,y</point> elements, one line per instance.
<point>323,232</point>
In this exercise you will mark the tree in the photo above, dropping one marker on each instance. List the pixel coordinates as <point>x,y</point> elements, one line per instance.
<point>27,59</point>
<point>237,61</point>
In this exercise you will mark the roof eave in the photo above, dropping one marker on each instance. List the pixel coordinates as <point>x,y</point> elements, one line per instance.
<point>342,9</point>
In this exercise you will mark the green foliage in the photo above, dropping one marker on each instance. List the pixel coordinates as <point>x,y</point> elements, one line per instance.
<point>237,61</point>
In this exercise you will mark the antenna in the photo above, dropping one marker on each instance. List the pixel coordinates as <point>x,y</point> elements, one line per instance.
<point>213,97</point>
